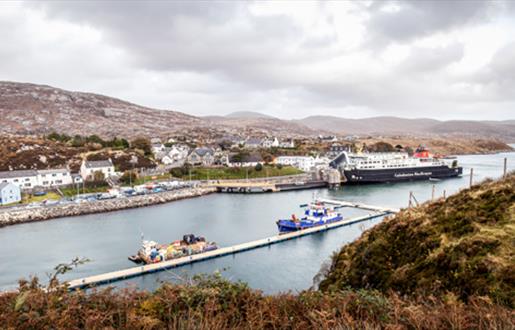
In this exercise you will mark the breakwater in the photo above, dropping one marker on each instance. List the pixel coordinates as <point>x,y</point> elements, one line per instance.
<point>17,216</point>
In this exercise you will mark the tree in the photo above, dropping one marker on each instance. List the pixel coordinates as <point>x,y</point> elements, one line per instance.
<point>142,144</point>
<point>98,176</point>
<point>381,147</point>
<point>128,177</point>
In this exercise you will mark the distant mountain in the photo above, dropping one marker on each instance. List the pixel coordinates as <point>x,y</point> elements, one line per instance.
<point>248,115</point>
<point>504,130</point>
<point>39,109</point>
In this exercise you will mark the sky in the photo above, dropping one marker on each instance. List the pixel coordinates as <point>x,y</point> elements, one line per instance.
<point>435,59</point>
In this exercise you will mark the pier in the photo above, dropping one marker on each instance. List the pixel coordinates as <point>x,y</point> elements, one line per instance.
<point>111,277</point>
<point>263,186</point>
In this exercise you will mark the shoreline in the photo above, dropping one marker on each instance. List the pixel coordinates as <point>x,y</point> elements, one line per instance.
<point>10,218</point>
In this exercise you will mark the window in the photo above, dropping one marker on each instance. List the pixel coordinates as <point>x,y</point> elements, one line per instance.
<point>54,174</point>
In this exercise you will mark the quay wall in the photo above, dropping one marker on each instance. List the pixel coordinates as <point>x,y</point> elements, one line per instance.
<point>16,216</point>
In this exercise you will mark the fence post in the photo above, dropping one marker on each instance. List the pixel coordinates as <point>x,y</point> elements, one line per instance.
<point>505,167</point>
<point>433,193</point>
<point>471,175</point>
<point>444,194</point>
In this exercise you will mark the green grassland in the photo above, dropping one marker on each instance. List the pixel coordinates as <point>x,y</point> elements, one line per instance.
<point>220,173</point>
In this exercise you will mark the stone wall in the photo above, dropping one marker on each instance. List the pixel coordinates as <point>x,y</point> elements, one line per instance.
<point>74,209</point>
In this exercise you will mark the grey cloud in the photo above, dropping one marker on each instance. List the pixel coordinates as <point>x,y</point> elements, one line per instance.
<point>416,19</point>
<point>498,77</point>
<point>196,36</point>
<point>425,59</point>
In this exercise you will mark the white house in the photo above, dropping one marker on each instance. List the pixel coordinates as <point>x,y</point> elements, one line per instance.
<point>287,144</point>
<point>88,168</point>
<point>54,177</point>
<point>157,148</point>
<point>304,163</point>
<point>25,179</point>
<point>271,143</point>
<point>177,155</point>
<point>9,193</point>
<point>247,161</point>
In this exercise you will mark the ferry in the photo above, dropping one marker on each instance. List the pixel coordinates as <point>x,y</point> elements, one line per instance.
<point>395,167</point>
<point>152,252</point>
<point>316,214</point>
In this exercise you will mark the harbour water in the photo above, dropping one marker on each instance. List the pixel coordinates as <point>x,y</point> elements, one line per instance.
<point>107,239</point>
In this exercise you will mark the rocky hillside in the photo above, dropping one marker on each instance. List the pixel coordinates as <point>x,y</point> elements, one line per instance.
<point>464,245</point>
<point>21,153</point>
<point>29,108</point>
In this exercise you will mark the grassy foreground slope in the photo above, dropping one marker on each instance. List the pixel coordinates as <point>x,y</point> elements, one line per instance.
<point>464,245</point>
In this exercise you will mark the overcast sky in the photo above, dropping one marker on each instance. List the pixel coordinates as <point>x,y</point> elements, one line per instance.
<point>445,60</point>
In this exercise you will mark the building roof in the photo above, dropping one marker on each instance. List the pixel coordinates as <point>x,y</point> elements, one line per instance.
<point>203,151</point>
<point>254,141</point>
<point>98,163</point>
<point>17,174</point>
<point>252,158</point>
<point>5,184</point>
<point>54,170</point>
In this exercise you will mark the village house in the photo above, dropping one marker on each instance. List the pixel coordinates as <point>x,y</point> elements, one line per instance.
<point>201,157</point>
<point>287,144</point>
<point>270,143</point>
<point>245,161</point>
<point>176,155</point>
<point>88,168</point>
<point>54,177</point>
<point>304,163</point>
<point>25,179</point>
<point>29,179</point>
<point>9,193</point>
<point>157,148</point>
<point>253,143</point>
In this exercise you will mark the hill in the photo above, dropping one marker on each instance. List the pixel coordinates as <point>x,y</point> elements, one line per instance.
<point>248,114</point>
<point>504,130</point>
<point>36,109</point>
<point>464,245</point>
<point>39,109</point>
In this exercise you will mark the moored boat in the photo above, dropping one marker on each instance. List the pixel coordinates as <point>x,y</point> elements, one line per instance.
<point>152,252</point>
<point>316,214</point>
<point>395,167</point>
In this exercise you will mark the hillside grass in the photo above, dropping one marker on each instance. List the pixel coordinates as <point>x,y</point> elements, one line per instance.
<point>464,245</point>
<point>214,303</point>
<point>221,173</point>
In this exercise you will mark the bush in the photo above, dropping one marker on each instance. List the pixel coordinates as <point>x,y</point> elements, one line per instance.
<point>258,167</point>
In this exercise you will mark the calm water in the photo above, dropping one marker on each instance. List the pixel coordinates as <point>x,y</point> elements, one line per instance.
<point>107,239</point>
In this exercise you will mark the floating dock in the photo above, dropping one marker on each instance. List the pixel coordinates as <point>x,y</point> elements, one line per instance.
<point>111,277</point>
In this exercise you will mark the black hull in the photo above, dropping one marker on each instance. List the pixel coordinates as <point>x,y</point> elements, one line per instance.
<point>401,174</point>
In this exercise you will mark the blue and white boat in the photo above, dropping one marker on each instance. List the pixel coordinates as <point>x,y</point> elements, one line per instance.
<point>315,215</point>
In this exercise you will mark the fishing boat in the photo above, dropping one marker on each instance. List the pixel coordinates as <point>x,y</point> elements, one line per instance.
<point>152,252</point>
<point>316,214</point>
